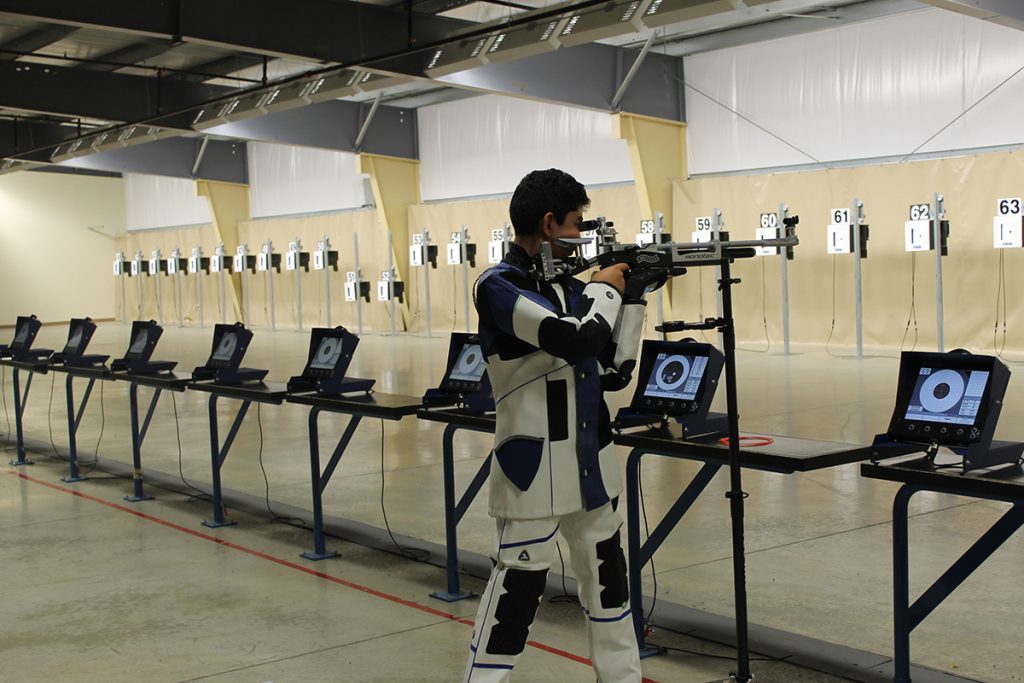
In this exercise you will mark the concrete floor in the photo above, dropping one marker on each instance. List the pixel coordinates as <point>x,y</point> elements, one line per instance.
<point>97,593</point>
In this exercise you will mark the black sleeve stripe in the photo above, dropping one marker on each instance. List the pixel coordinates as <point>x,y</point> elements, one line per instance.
<point>561,338</point>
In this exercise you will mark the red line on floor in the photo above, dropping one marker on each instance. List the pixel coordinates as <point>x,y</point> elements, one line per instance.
<point>292,565</point>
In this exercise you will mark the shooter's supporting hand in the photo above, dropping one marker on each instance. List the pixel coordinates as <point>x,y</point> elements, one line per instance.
<point>614,275</point>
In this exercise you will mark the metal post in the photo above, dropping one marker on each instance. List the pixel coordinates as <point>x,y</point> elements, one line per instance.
<point>426,279</point>
<point>938,209</point>
<point>359,284</point>
<point>784,273</point>
<point>465,274</point>
<point>735,494</point>
<point>219,255</point>
<point>391,285</point>
<point>244,252</point>
<point>176,255</point>
<point>197,253</point>
<point>327,280</point>
<point>716,229</point>
<point>857,218</point>
<point>659,227</point>
<point>268,252</point>
<point>296,248</point>
<point>157,257</point>
<point>138,281</point>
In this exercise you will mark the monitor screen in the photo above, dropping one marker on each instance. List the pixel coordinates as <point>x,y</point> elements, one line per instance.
<point>21,335</point>
<point>470,365</point>
<point>327,354</point>
<point>225,348</point>
<point>947,395</point>
<point>138,343</point>
<point>676,376</point>
<point>74,341</point>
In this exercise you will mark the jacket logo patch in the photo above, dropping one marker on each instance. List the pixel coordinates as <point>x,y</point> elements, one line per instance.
<point>609,295</point>
<point>524,556</point>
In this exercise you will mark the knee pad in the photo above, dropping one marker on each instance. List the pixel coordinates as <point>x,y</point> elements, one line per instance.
<point>611,572</point>
<point>515,611</point>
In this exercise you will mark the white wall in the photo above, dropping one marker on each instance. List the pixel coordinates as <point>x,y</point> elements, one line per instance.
<point>485,145</point>
<point>286,180</point>
<point>51,264</point>
<point>153,202</point>
<point>868,90</point>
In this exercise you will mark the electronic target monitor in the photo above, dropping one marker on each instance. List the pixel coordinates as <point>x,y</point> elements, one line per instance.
<point>950,399</point>
<point>25,331</point>
<point>230,342</point>
<point>676,378</point>
<point>141,344</point>
<point>466,365</point>
<point>330,353</point>
<point>80,333</point>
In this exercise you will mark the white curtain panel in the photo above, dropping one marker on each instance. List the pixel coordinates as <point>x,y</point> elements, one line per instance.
<point>875,89</point>
<point>286,180</point>
<point>153,202</point>
<point>485,145</point>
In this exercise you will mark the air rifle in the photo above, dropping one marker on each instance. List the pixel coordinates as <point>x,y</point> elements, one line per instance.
<point>672,257</point>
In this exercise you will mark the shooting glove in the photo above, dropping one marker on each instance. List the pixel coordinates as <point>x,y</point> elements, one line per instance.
<point>641,281</point>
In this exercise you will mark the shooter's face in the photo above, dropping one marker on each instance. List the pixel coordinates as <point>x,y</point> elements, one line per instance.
<point>570,228</point>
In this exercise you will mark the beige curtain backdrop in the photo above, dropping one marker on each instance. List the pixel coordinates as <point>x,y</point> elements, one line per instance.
<point>971,186</point>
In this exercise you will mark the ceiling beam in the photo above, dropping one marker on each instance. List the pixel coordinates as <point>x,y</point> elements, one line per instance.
<point>109,96</point>
<point>339,31</point>
<point>332,125</point>
<point>20,135</point>
<point>218,67</point>
<point>33,40</point>
<point>223,161</point>
<point>126,56</point>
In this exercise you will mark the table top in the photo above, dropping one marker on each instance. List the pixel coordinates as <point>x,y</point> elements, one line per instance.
<point>40,366</point>
<point>259,392</point>
<point>786,454</point>
<point>386,406</point>
<point>90,371</point>
<point>453,416</point>
<point>1000,483</point>
<point>157,380</point>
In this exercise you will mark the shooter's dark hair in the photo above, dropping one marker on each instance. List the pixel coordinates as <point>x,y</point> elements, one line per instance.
<point>542,191</point>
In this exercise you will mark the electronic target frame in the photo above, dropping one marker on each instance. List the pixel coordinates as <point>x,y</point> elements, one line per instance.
<point>465,383</point>
<point>141,344</point>
<point>80,333</point>
<point>26,328</point>
<point>677,378</point>
<point>948,399</point>
<point>230,342</point>
<point>330,352</point>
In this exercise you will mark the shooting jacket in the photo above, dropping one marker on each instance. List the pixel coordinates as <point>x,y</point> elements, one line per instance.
<point>552,350</point>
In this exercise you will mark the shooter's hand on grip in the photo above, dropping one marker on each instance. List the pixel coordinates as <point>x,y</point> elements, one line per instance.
<point>641,281</point>
<point>614,275</point>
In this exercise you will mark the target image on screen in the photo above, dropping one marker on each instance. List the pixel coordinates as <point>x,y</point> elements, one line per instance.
<point>226,347</point>
<point>138,344</point>
<point>470,365</point>
<point>327,354</point>
<point>947,396</point>
<point>75,340</point>
<point>676,376</point>
<point>22,334</point>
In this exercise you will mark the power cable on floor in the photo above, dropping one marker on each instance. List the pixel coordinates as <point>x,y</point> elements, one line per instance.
<point>832,329</point>
<point>649,621</point>
<point>202,495</point>
<point>103,425</point>
<point>274,517</point>
<point>7,415</point>
<point>912,316</point>
<point>415,554</point>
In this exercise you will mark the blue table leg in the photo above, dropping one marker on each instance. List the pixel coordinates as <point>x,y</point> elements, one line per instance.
<point>73,422</point>
<point>907,615</point>
<point>138,492</point>
<point>319,482</point>
<point>639,555</point>
<point>218,454</point>
<point>453,512</point>
<point>19,410</point>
